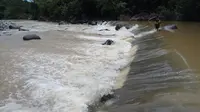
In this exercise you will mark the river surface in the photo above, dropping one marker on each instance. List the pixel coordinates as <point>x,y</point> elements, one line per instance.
<point>68,70</point>
<point>164,76</point>
<point>186,41</point>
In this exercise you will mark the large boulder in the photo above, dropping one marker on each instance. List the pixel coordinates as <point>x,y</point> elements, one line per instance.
<point>108,42</point>
<point>31,37</point>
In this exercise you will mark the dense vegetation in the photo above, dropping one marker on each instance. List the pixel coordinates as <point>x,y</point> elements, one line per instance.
<point>98,9</point>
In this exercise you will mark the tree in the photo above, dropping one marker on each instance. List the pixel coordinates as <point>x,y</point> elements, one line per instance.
<point>71,10</point>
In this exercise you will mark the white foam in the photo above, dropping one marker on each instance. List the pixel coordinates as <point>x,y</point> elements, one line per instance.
<point>69,82</point>
<point>145,33</point>
<point>123,32</point>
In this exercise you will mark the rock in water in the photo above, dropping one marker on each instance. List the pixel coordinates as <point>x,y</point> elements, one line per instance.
<point>118,26</point>
<point>14,27</point>
<point>4,25</point>
<point>31,37</point>
<point>104,30</point>
<point>105,98</point>
<point>61,23</point>
<point>108,42</point>
<point>92,23</point>
<point>170,28</point>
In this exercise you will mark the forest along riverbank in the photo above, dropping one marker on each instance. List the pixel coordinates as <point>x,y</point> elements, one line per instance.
<point>68,70</point>
<point>163,75</point>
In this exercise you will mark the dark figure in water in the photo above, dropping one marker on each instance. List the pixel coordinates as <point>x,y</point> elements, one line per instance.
<point>157,24</point>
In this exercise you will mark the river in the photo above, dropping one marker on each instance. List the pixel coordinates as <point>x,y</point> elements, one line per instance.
<point>68,70</point>
<point>186,41</point>
<point>165,74</point>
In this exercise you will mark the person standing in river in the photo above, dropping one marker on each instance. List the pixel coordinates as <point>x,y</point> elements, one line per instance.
<point>157,24</point>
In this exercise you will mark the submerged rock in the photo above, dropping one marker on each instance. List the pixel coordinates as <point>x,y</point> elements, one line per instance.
<point>31,37</point>
<point>128,26</point>
<point>105,98</point>
<point>21,29</point>
<point>118,26</point>
<point>108,42</point>
<point>170,28</point>
<point>104,30</point>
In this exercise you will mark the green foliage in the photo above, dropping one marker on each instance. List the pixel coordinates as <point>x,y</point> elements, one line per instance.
<point>71,10</point>
<point>15,9</point>
<point>111,8</point>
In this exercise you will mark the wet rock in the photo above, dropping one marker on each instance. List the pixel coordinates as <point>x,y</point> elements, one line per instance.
<point>108,42</point>
<point>127,26</point>
<point>92,23</point>
<point>173,27</point>
<point>104,30</point>
<point>61,23</point>
<point>107,97</point>
<point>31,37</point>
<point>118,26</point>
<point>14,27</point>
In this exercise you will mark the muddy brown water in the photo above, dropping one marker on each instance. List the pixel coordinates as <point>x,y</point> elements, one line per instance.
<point>186,41</point>
<point>165,74</point>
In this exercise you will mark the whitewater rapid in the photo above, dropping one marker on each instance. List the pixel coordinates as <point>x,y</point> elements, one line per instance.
<point>67,71</point>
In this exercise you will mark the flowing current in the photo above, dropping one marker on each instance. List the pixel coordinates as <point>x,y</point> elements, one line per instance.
<point>68,70</point>
<point>163,75</point>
